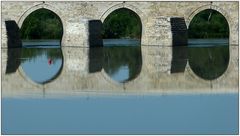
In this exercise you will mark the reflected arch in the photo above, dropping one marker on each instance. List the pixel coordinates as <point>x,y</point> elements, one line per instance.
<point>122,64</point>
<point>37,69</point>
<point>212,45</point>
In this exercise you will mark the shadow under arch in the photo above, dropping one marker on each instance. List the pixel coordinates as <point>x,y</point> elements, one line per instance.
<point>55,52</point>
<point>208,49</point>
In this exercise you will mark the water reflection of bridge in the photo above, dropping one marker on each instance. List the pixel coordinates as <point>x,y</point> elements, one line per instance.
<point>158,75</point>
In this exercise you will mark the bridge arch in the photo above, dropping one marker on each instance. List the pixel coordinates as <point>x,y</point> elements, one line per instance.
<point>230,24</point>
<point>142,20</point>
<point>204,7</point>
<point>221,11</point>
<point>20,21</point>
<point>138,12</point>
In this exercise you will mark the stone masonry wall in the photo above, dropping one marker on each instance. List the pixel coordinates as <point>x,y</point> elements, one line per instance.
<point>155,17</point>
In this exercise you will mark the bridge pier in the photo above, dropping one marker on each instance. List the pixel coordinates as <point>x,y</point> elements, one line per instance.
<point>83,33</point>
<point>76,33</point>
<point>166,31</point>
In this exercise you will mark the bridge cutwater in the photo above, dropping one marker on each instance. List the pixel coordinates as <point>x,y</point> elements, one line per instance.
<point>162,24</point>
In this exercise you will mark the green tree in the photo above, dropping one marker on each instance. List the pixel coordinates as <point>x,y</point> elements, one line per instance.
<point>42,24</point>
<point>208,24</point>
<point>122,23</point>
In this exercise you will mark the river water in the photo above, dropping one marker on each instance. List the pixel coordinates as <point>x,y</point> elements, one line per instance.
<point>122,59</point>
<point>42,62</point>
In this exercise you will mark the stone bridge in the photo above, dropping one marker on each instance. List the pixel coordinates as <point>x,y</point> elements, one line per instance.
<point>155,17</point>
<point>157,33</point>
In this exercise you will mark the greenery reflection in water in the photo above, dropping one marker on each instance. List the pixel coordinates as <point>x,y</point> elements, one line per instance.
<point>209,62</point>
<point>122,63</point>
<point>41,64</point>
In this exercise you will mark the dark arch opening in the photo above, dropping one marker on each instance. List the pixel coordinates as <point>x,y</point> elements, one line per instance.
<point>208,44</point>
<point>122,23</point>
<point>42,24</point>
<point>208,23</point>
<point>122,31</point>
<point>41,55</point>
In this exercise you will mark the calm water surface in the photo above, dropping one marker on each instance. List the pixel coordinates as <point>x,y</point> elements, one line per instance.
<point>122,63</point>
<point>173,114</point>
<point>208,58</point>
<point>135,114</point>
<point>122,59</point>
<point>41,64</point>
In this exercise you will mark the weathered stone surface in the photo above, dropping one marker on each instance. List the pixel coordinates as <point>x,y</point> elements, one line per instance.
<point>155,17</point>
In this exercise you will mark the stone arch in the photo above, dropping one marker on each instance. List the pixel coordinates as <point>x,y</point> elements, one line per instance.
<point>143,21</point>
<point>204,7</point>
<point>228,19</point>
<point>138,12</point>
<point>44,6</point>
<point>192,14</point>
<point>20,23</point>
